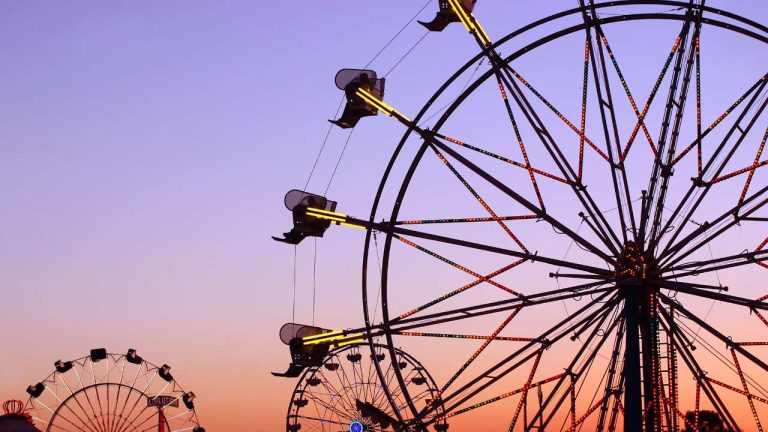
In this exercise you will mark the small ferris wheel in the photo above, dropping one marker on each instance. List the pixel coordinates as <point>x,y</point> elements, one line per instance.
<point>105,392</point>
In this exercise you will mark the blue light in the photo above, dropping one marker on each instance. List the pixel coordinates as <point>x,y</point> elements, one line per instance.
<point>356,426</point>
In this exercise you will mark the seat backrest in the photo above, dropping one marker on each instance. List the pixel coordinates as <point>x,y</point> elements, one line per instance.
<point>295,198</point>
<point>290,331</point>
<point>346,76</point>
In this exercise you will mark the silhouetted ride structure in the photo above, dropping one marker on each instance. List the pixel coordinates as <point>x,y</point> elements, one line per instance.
<point>606,254</point>
<point>105,392</point>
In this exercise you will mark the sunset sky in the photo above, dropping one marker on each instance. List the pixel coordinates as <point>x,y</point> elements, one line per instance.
<point>145,149</point>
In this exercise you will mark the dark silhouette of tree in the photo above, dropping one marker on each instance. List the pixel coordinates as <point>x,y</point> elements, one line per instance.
<point>709,421</point>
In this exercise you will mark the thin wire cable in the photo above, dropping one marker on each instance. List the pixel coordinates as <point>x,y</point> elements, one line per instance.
<point>293,310</point>
<point>338,162</point>
<point>325,140</point>
<point>407,53</point>
<point>397,34</point>
<point>314,282</point>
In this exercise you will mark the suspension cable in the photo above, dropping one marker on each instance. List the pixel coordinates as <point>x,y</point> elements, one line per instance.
<point>293,309</point>
<point>338,162</point>
<point>407,53</point>
<point>398,33</point>
<point>314,282</point>
<point>325,140</point>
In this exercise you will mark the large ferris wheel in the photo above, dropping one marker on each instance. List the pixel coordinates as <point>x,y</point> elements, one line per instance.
<point>570,248</point>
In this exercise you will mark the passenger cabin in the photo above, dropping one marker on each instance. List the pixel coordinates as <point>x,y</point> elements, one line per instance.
<point>304,225</point>
<point>302,356</point>
<point>351,80</point>
<point>445,15</point>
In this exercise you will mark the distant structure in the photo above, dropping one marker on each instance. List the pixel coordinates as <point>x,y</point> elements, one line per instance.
<point>14,419</point>
<point>104,391</point>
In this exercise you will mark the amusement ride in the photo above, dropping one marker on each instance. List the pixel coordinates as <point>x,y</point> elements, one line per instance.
<point>555,261</point>
<point>106,392</point>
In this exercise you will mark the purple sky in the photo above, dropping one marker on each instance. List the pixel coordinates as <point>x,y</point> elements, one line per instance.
<point>145,148</point>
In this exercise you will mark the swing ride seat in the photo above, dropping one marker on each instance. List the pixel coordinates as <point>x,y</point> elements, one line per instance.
<point>302,356</point>
<point>351,80</point>
<point>304,225</point>
<point>445,15</point>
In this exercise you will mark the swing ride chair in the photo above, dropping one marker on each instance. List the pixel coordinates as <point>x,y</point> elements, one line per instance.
<point>352,82</point>
<point>445,15</point>
<point>302,355</point>
<point>111,392</point>
<point>303,205</point>
<point>634,283</point>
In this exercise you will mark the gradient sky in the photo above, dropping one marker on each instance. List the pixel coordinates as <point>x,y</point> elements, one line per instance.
<point>145,148</point>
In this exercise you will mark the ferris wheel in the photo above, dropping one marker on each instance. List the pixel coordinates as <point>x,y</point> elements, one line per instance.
<point>553,254</point>
<point>105,392</point>
<point>345,392</point>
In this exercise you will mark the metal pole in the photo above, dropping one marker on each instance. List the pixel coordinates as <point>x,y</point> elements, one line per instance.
<point>633,405</point>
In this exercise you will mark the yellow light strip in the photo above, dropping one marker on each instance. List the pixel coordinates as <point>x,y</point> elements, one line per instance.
<point>470,22</point>
<point>323,335</point>
<point>352,225</point>
<point>322,216</point>
<point>459,11</point>
<point>481,32</point>
<point>381,105</point>
<point>350,342</point>
<point>373,101</point>
<point>330,213</point>
<point>321,341</point>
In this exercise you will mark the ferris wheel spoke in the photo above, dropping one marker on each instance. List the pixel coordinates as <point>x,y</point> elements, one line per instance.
<point>755,88</point>
<point>672,255</point>
<point>519,139</point>
<point>535,257</point>
<point>477,353</point>
<point>713,331</point>
<point>676,253</point>
<point>707,186</point>
<point>322,420</point>
<point>654,91</point>
<point>572,370</point>
<point>514,195</point>
<point>347,404</point>
<point>748,169</point>
<point>343,415</point>
<point>608,119</point>
<point>492,374</point>
<point>509,79</point>
<point>458,266</point>
<point>602,40</point>
<point>613,385</point>
<point>525,166</point>
<point>668,137</point>
<point>602,228</point>
<point>84,423</point>
<point>477,310</point>
<point>463,220</point>
<point>682,346</point>
<point>81,424</point>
